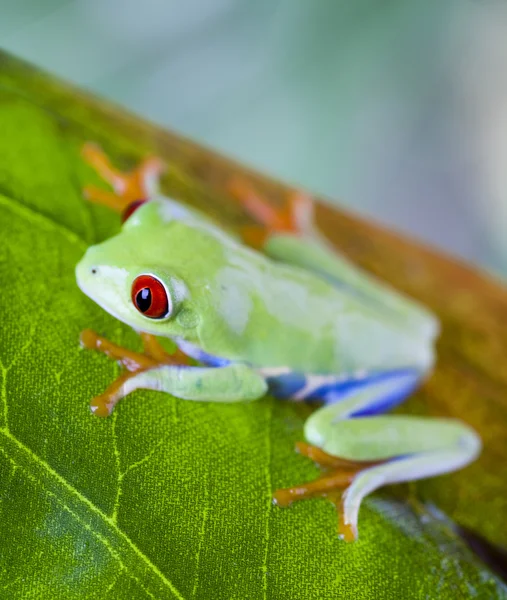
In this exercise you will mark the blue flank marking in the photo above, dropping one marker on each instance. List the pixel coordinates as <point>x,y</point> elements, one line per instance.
<point>285,386</point>
<point>210,360</point>
<point>404,382</point>
<point>198,354</point>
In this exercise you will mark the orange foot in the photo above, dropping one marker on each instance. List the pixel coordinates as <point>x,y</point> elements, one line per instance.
<point>295,217</point>
<point>331,485</point>
<point>130,189</point>
<point>134,363</point>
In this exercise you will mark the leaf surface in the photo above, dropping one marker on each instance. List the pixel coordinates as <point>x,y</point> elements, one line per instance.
<point>167,498</point>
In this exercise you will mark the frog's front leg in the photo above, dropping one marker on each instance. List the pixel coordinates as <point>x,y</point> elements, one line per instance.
<point>364,453</point>
<point>158,370</point>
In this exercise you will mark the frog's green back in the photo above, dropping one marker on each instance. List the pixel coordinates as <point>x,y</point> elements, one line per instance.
<point>247,307</point>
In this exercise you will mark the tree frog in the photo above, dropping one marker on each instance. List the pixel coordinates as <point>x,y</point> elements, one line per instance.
<point>296,320</point>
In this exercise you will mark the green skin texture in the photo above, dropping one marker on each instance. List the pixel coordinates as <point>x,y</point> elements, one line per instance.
<point>262,314</point>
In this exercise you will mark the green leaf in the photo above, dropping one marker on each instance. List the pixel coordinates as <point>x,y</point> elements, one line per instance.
<point>166,498</point>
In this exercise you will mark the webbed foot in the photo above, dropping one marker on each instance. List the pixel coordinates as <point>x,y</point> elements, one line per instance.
<point>396,449</point>
<point>130,188</point>
<point>133,362</point>
<point>296,217</point>
<point>338,476</point>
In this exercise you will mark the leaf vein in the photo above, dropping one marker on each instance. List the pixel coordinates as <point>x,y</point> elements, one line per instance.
<point>202,532</point>
<point>31,214</point>
<point>269,503</point>
<point>114,515</point>
<point>4,370</point>
<point>82,501</point>
<point>145,458</point>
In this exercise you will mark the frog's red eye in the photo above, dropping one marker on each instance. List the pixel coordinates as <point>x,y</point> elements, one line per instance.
<point>130,209</point>
<point>149,296</point>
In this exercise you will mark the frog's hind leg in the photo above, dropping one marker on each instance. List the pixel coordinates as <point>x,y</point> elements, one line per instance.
<point>135,186</point>
<point>364,453</point>
<point>295,218</point>
<point>290,236</point>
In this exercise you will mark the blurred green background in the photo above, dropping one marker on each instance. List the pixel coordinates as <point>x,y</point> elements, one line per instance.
<point>397,109</point>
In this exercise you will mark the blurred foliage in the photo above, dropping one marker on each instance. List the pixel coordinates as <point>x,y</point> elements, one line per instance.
<point>395,107</point>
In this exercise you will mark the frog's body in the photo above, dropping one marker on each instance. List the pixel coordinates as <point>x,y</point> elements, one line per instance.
<point>310,327</point>
<point>258,311</point>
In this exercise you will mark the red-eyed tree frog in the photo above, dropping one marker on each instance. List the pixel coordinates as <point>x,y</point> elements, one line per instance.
<point>296,320</point>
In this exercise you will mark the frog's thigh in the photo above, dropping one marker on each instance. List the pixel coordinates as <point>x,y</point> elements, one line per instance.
<point>412,447</point>
<point>347,429</point>
<point>232,383</point>
<point>310,253</point>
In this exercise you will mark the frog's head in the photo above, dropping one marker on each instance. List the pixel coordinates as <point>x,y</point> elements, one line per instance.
<point>121,277</point>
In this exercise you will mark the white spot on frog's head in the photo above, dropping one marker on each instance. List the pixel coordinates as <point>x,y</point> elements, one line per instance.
<point>179,290</point>
<point>234,303</point>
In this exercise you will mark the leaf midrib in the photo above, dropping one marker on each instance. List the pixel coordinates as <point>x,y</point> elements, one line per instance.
<point>78,505</point>
<point>31,214</point>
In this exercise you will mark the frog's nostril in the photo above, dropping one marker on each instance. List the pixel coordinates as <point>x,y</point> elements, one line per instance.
<point>94,270</point>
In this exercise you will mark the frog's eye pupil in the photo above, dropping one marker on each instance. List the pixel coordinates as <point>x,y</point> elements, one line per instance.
<point>150,297</point>
<point>143,300</point>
